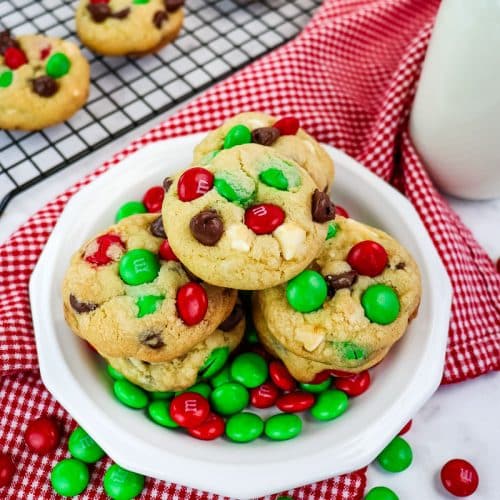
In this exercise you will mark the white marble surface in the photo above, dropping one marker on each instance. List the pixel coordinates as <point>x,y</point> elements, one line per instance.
<point>459,421</point>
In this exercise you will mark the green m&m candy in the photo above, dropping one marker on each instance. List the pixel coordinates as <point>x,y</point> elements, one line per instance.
<point>244,427</point>
<point>130,208</point>
<point>148,304</point>
<point>352,351</point>
<point>283,426</point>
<point>130,395</point>
<point>396,456</point>
<point>114,374</point>
<point>69,477</point>
<point>6,78</point>
<point>316,388</point>
<point>275,178</point>
<point>215,362</point>
<point>251,336</point>
<point>139,266</point>
<point>58,65</point>
<point>230,398</point>
<point>140,2</point>
<point>332,230</point>
<point>161,395</point>
<point>223,377</point>
<point>239,134</point>
<point>307,291</point>
<point>201,388</point>
<point>329,405</point>
<point>83,447</point>
<point>381,493</point>
<point>121,484</point>
<point>235,187</point>
<point>381,304</point>
<point>209,157</point>
<point>249,369</point>
<point>159,412</point>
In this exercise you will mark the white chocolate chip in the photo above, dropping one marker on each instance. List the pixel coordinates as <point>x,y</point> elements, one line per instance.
<point>91,249</point>
<point>254,123</point>
<point>291,239</point>
<point>309,146</point>
<point>310,338</point>
<point>240,237</point>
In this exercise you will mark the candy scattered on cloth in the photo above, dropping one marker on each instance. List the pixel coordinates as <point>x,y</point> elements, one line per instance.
<point>363,110</point>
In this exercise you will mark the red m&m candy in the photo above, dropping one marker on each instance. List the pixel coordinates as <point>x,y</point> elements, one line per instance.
<point>264,396</point>
<point>295,402</point>
<point>166,252</point>
<point>287,126</point>
<point>281,376</point>
<point>264,218</point>
<point>340,373</point>
<point>406,428</point>
<point>194,183</point>
<point>14,58</point>
<point>368,258</point>
<point>153,199</point>
<point>42,435</point>
<point>459,477</point>
<point>192,303</point>
<point>320,377</point>
<point>354,385</point>
<point>109,248</point>
<point>341,211</point>
<point>210,429</point>
<point>7,470</point>
<point>189,409</point>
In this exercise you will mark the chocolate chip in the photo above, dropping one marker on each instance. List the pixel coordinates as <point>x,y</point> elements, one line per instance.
<point>265,135</point>
<point>207,227</point>
<point>151,339</point>
<point>338,281</point>
<point>81,307</point>
<point>159,17</point>
<point>172,5</point>
<point>44,86</point>
<point>167,182</point>
<point>121,14</point>
<point>156,228</point>
<point>323,208</point>
<point>400,265</point>
<point>99,11</point>
<point>233,319</point>
<point>6,42</point>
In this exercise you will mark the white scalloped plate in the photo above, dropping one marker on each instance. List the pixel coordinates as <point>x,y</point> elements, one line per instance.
<point>401,384</point>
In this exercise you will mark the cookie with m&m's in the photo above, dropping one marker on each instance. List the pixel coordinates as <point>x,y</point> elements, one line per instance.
<point>43,81</point>
<point>128,27</point>
<point>283,134</point>
<point>129,298</point>
<point>249,219</point>
<point>201,361</point>
<point>348,309</point>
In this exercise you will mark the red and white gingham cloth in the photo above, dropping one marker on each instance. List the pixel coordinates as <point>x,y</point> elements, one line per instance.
<point>350,78</point>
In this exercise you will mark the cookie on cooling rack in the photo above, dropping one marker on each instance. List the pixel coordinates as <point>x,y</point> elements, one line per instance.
<point>43,81</point>
<point>284,135</point>
<point>128,27</point>
<point>127,295</point>
<point>348,309</point>
<point>249,219</point>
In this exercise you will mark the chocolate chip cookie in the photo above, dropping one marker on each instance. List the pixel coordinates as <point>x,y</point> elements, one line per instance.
<point>130,299</point>
<point>284,135</point>
<point>128,27</point>
<point>249,219</point>
<point>43,81</point>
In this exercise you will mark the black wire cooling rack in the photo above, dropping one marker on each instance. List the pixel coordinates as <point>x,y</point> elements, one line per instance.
<point>218,37</point>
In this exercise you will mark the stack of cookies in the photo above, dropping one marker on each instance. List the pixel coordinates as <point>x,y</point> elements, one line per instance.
<point>156,294</point>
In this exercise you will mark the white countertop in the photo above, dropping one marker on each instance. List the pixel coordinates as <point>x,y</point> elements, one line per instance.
<point>460,421</point>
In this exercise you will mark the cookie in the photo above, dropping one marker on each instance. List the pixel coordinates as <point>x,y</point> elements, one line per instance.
<point>128,27</point>
<point>283,135</point>
<point>249,219</point>
<point>43,81</point>
<point>183,371</point>
<point>127,301</point>
<point>350,307</point>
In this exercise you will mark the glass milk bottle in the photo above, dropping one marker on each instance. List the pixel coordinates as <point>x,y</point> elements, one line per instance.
<point>455,120</point>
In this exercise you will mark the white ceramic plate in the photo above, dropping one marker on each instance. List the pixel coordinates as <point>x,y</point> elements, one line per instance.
<point>401,384</point>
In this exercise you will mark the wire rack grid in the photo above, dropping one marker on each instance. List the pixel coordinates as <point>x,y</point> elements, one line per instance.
<point>218,37</point>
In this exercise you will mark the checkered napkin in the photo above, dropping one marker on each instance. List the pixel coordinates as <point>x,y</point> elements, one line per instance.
<point>350,78</point>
